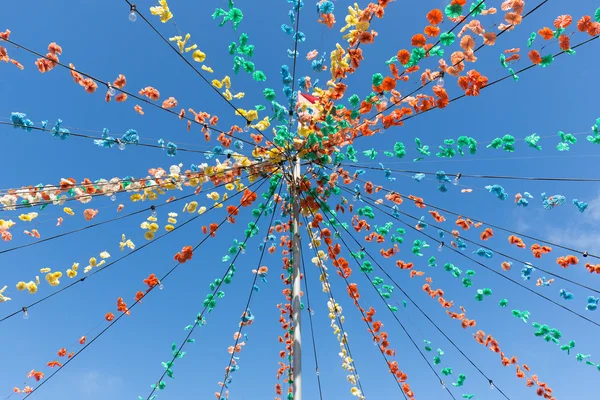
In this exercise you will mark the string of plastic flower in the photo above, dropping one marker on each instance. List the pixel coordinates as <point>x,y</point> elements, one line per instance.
<point>335,315</point>
<point>210,301</point>
<point>484,292</point>
<point>465,224</point>
<point>345,271</point>
<point>152,282</point>
<point>549,334</point>
<point>190,207</point>
<point>418,245</point>
<point>53,278</point>
<point>229,178</point>
<point>447,371</point>
<point>356,56</point>
<point>129,139</point>
<point>367,269</point>
<point>451,148</point>
<point>84,192</point>
<point>238,51</point>
<point>462,317</point>
<point>285,309</point>
<point>246,320</point>
<point>395,119</point>
<point>413,273</point>
<point>148,95</point>
<point>473,83</point>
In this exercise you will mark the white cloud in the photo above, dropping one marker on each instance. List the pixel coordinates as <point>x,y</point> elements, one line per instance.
<point>593,210</point>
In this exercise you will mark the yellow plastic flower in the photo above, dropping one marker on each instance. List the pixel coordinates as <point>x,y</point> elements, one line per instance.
<point>162,11</point>
<point>169,228</point>
<point>152,219</point>
<point>173,215</point>
<point>87,269</point>
<point>172,220</point>
<point>230,186</point>
<point>75,266</point>
<point>71,273</point>
<point>45,270</point>
<point>225,82</point>
<point>93,262</point>
<point>262,124</point>
<point>202,210</point>
<point>104,254</point>
<point>21,286</point>
<point>6,224</point>
<point>136,197</point>
<point>153,227</point>
<point>32,288</point>
<point>101,263</point>
<point>181,42</point>
<point>28,217</point>
<point>152,195</point>
<point>3,298</point>
<point>199,56</point>
<point>207,69</point>
<point>192,207</point>
<point>213,196</point>
<point>149,235</point>
<point>126,242</point>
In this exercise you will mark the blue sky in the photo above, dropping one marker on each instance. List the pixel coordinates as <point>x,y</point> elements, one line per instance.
<point>98,38</point>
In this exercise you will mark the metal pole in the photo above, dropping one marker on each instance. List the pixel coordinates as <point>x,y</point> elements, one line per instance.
<point>296,285</point>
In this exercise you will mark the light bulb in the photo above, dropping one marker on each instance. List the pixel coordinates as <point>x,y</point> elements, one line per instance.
<point>456,179</point>
<point>121,146</point>
<point>113,197</point>
<point>311,311</point>
<point>441,247</point>
<point>440,82</point>
<point>111,91</point>
<point>160,287</point>
<point>132,16</point>
<point>492,385</point>
<point>154,213</point>
<point>247,127</point>
<point>443,385</point>
<point>25,313</point>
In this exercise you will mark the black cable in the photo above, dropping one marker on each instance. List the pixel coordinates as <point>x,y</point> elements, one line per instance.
<point>416,305</point>
<point>461,175</point>
<point>199,318</point>
<point>489,269</point>
<point>109,220</point>
<point>584,253</point>
<point>383,299</point>
<point>114,141</point>
<point>250,295</point>
<point>205,125</point>
<point>237,110</point>
<point>129,254</point>
<point>312,331</point>
<point>495,251</point>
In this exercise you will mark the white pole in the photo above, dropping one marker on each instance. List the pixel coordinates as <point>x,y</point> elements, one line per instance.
<point>296,285</point>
